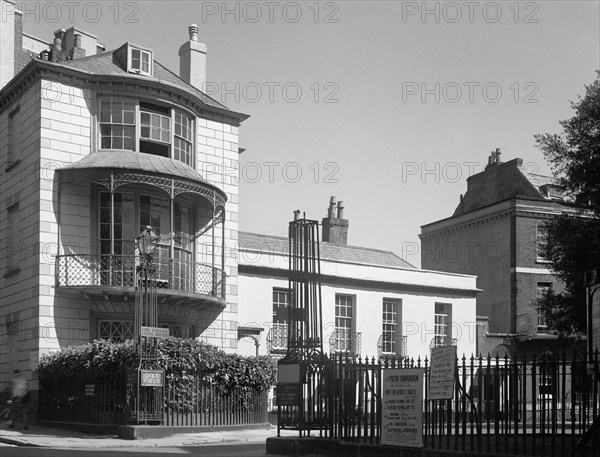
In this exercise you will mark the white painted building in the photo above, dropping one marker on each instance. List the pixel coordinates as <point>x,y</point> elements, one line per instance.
<point>373,302</point>
<point>96,145</point>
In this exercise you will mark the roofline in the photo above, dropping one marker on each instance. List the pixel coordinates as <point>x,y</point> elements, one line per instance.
<point>348,262</point>
<point>35,64</point>
<point>327,242</point>
<point>469,292</point>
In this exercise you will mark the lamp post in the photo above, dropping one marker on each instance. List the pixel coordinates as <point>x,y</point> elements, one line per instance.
<point>145,298</point>
<point>148,378</point>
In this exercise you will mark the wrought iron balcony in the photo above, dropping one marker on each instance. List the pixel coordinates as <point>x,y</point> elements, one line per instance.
<point>277,339</point>
<point>343,341</point>
<point>392,347</point>
<point>532,325</point>
<point>178,281</point>
<point>441,340</point>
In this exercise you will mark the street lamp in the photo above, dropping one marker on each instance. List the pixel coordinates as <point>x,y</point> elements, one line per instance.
<point>148,378</point>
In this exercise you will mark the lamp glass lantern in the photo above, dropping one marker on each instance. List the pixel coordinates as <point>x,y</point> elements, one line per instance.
<point>147,243</point>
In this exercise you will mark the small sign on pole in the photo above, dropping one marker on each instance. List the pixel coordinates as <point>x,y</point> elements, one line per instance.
<point>402,407</point>
<point>155,332</point>
<point>442,372</point>
<point>152,378</point>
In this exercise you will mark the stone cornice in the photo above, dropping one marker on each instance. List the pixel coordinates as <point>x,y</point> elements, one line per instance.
<point>514,206</point>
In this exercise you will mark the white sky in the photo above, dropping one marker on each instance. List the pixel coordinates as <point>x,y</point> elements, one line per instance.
<point>363,128</point>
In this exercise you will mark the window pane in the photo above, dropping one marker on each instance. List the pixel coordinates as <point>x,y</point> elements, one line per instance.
<point>117,116</point>
<point>105,231</point>
<point>129,117</point>
<point>104,214</point>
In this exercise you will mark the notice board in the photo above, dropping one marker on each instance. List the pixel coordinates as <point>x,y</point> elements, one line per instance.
<point>442,372</point>
<point>402,407</point>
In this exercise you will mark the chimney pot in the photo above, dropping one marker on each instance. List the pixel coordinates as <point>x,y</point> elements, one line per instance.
<point>193,31</point>
<point>77,40</point>
<point>498,153</point>
<point>331,209</point>
<point>296,214</point>
<point>340,210</point>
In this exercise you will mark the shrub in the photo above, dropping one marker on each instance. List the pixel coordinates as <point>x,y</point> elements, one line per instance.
<point>184,362</point>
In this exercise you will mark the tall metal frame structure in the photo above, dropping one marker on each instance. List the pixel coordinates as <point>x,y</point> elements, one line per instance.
<point>305,371</point>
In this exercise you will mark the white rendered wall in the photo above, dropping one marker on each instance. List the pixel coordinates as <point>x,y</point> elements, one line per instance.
<point>417,315</point>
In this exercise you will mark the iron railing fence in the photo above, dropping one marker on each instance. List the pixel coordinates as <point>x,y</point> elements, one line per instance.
<point>201,404</point>
<point>81,270</point>
<point>99,402</point>
<point>188,402</point>
<point>524,406</point>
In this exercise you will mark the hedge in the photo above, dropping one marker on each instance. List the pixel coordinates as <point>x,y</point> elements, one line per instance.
<point>183,360</point>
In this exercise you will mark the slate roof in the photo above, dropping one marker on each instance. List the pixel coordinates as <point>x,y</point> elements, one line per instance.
<point>104,64</point>
<point>329,251</point>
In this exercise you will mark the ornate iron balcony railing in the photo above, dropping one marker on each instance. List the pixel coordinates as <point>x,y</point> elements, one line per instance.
<point>345,342</point>
<point>392,347</point>
<point>531,324</point>
<point>80,270</point>
<point>439,340</point>
<point>277,338</point>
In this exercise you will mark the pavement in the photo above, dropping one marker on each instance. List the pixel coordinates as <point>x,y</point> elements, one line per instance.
<point>39,436</point>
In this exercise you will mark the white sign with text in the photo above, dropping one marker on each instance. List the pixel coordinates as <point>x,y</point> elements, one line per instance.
<point>402,407</point>
<point>442,372</point>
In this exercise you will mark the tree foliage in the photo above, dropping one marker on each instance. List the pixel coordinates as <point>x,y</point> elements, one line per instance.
<point>574,238</point>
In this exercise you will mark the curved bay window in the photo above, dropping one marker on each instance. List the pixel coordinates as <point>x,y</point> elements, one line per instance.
<point>132,213</point>
<point>132,125</point>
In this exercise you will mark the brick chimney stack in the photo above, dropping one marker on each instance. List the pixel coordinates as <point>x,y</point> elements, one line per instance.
<point>76,52</point>
<point>494,158</point>
<point>335,227</point>
<point>192,60</point>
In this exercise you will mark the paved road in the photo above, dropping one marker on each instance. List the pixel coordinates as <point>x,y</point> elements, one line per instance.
<point>225,450</point>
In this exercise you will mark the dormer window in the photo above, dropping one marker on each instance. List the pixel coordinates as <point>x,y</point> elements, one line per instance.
<point>140,61</point>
